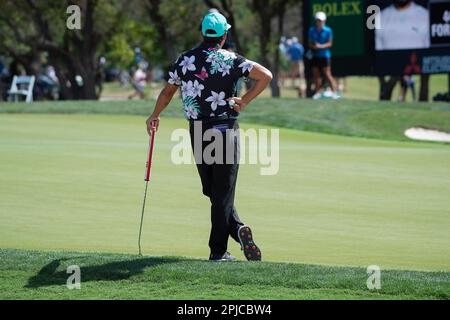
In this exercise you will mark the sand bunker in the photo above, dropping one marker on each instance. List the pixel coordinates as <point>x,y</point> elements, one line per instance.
<point>427,134</point>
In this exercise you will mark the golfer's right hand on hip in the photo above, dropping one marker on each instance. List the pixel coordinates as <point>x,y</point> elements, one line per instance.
<point>152,124</point>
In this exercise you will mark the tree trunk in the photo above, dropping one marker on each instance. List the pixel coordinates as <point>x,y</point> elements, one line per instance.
<point>424,87</point>
<point>448,83</point>
<point>262,7</point>
<point>387,87</point>
<point>89,68</point>
<point>160,25</point>
<point>88,90</point>
<point>276,59</point>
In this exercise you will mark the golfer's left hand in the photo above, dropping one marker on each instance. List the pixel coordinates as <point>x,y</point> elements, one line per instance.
<point>152,122</point>
<point>240,104</point>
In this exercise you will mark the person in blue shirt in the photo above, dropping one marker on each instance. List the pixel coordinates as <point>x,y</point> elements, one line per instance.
<point>320,42</point>
<point>295,52</point>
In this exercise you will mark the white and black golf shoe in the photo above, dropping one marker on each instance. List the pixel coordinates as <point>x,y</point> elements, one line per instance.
<point>225,257</point>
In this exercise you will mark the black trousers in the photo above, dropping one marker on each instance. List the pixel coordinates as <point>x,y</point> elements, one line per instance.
<point>218,180</point>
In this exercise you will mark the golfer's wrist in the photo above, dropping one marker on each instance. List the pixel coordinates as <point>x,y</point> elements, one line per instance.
<point>245,101</point>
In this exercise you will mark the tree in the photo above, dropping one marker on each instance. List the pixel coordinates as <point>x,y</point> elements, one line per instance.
<point>177,25</point>
<point>73,53</point>
<point>424,87</point>
<point>387,86</point>
<point>154,12</point>
<point>266,11</point>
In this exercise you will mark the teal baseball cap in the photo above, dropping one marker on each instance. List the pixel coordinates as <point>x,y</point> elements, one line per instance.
<point>214,25</point>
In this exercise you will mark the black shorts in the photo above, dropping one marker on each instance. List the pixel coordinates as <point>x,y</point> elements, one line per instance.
<point>320,62</point>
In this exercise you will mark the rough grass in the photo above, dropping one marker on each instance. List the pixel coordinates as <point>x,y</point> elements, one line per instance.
<point>369,119</point>
<point>42,275</point>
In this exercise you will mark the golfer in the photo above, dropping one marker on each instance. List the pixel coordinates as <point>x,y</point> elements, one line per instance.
<point>320,41</point>
<point>208,76</point>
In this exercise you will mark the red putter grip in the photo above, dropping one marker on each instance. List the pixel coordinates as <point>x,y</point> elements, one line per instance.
<point>150,155</point>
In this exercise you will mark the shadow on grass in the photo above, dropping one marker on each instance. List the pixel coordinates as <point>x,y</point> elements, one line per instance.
<point>111,271</point>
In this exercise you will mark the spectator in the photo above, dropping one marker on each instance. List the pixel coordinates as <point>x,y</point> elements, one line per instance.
<point>283,46</point>
<point>139,82</point>
<point>406,82</point>
<point>47,84</point>
<point>320,42</point>
<point>295,52</point>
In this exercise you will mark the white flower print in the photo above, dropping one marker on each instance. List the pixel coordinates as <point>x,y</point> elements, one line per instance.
<point>220,60</point>
<point>187,89</point>
<point>228,55</point>
<point>247,65</point>
<point>191,112</point>
<point>174,78</point>
<point>197,89</point>
<point>188,64</point>
<point>216,99</point>
<point>224,68</point>
<point>212,58</point>
<point>191,107</point>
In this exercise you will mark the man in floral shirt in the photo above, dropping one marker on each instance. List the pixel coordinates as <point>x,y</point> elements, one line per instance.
<point>208,77</point>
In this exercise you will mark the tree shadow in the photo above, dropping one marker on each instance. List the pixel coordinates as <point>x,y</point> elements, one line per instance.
<point>111,271</point>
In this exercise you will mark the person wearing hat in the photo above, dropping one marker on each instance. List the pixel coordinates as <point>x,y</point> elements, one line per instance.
<point>320,41</point>
<point>207,75</point>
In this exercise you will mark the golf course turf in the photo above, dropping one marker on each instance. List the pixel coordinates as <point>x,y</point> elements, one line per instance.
<point>32,274</point>
<point>73,181</point>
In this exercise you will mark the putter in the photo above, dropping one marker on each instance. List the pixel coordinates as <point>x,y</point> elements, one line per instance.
<point>147,179</point>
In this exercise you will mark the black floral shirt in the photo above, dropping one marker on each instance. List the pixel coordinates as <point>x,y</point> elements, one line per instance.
<point>208,76</point>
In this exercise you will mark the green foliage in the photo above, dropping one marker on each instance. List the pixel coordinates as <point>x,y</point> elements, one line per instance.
<point>183,21</point>
<point>123,24</point>
<point>119,51</point>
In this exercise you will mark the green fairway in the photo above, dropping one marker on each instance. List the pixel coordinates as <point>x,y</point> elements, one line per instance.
<point>42,275</point>
<point>75,182</point>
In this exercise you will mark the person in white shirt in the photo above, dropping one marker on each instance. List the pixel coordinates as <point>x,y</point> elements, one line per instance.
<point>404,25</point>
<point>139,82</point>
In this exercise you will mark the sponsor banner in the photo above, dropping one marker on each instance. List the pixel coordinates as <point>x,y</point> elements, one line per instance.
<point>413,37</point>
<point>410,36</point>
<point>440,23</point>
<point>407,62</point>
